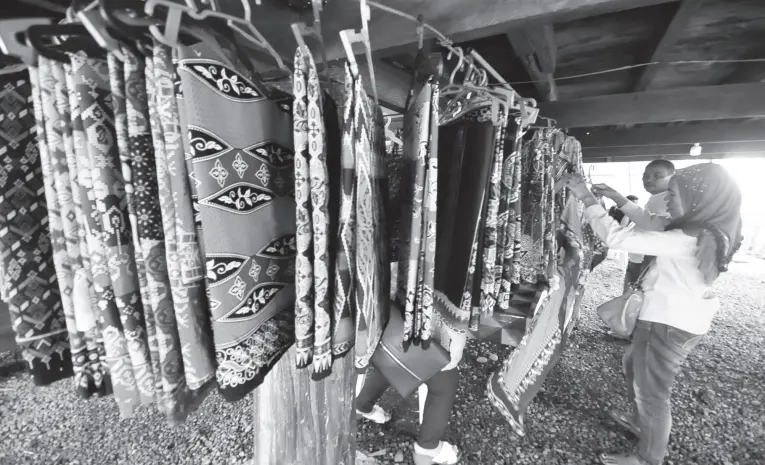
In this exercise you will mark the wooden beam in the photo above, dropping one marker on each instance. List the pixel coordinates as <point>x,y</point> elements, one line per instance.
<point>536,48</point>
<point>669,38</point>
<point>660,151</point>
<point>458,19</point>
<point>660,106</point>
<point>687,134</point>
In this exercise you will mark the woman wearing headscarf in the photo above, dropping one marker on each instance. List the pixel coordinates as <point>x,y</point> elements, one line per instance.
<point>678,307</point>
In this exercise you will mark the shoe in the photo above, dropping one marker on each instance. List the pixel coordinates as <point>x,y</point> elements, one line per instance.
<point>444,454</point>
<point>377,415</point>
<point>625,421</point>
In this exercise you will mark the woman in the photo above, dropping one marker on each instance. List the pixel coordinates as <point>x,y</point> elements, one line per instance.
<point>696,246</point>
<point>442,392</point>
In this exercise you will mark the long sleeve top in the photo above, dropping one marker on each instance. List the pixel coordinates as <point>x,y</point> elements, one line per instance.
<point>674,290</point>
<point>653,218</point>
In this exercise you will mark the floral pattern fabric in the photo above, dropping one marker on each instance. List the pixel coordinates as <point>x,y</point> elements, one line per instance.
<point>26,261</point>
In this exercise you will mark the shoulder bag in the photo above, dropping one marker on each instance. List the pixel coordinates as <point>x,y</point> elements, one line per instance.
<point>621,313</point>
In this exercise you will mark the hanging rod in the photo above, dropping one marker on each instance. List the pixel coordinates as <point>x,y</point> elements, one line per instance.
<point>444,41</point>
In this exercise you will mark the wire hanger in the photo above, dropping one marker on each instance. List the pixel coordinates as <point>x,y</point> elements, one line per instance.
<point>10,40</point>
<point>243,25</point>
<point>351,36</point>
<point>390,134</point>
<point>301,30</point>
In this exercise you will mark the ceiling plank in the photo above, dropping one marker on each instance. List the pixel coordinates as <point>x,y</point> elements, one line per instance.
<point>457,19</point>
<point>688,134</point>
<point>669,38</point>
<point>660,151</point>
<point>660,106</point>
<point>676,156</point>
<point>535,46</point>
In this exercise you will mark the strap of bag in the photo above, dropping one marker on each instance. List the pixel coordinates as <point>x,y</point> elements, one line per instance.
<point>639,282</point>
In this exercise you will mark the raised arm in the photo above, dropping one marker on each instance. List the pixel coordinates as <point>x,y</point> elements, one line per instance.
<point>644,219</point>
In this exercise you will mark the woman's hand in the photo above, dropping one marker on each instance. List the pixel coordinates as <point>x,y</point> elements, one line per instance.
<point>609,192</point>
<point>577,185</point>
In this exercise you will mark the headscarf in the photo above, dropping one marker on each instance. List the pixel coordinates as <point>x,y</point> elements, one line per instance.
<point>711,202</point>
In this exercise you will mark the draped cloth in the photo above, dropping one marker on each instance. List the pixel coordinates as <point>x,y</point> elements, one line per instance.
<point>240,140</point>
<point>107,197</point>
<point>26,258</point>
<point>182,244</point>
<point>418,180</point>
<point>313,308</point>
<point>466,161</point>
<point>80,318</point>
<point>370,268</point>
<point>118,359</point>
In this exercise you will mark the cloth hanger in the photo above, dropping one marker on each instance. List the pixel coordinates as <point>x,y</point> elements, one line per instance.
<point>242,25</point>
<point>351,36</point>
<point>11,43</point>
<point>39,36</point>
<point>90,17</point>
<point>390,135</point>
<point>301,30</point>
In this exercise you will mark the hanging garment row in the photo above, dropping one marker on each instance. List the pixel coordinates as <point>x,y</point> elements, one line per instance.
<point>175,223</point>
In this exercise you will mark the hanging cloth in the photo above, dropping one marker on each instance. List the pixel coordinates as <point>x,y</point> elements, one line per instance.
<point>118,85</point>
<point>418,219</point>
<point>239,140</point>
<point>91,83</point>
<point>313,325</point>
<point>183,251</point>
<point>509,218</point>
<point>538,208</point>
<point>51,133</point>
<point>118,358</point>
<point>370,268</point>
<point>28,274</point>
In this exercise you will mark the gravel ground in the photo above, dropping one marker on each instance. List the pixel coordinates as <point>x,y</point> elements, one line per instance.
<point>719,416</point>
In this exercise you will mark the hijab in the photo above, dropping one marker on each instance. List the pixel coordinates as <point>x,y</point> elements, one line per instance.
<point>711,202</point>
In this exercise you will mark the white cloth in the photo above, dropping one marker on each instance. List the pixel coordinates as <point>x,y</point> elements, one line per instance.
<point>656,205</point>
<point>674,288</point>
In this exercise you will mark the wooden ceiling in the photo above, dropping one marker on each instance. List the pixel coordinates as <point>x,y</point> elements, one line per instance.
<point>636,113</point>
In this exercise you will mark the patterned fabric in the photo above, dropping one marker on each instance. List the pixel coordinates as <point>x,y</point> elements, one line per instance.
<point>247,212</point>
<point>51,132</point>
<point>28,275</point>
<point>118,357</point>
<point>490,225</point>
<point>538,209</point>
<point>118,85</point>
<point>182,247</point>
<point>466,161</point>
<point>371,269</point>
<point>509,218</point>
<point>346,246</point>
<point>313,326</point>
<point>91,84</point>
<point>512,388</point>
<point>417,225</point>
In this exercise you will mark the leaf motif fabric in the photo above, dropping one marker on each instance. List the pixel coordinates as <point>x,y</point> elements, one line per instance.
<point>26,260</point>
<point>252,321</point>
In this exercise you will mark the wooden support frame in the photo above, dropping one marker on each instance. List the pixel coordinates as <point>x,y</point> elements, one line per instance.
<point>536,48</point>
<point>660,106</point>
<point>703,132</point>
<point>652,152</point>
<point>669,38</point>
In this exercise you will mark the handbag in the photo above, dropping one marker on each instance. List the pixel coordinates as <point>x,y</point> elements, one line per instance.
<point>621,313</point>
<point>406,366</point>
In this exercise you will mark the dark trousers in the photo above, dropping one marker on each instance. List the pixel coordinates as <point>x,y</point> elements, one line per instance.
<point>442,391</point>
<point>632,274</point>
